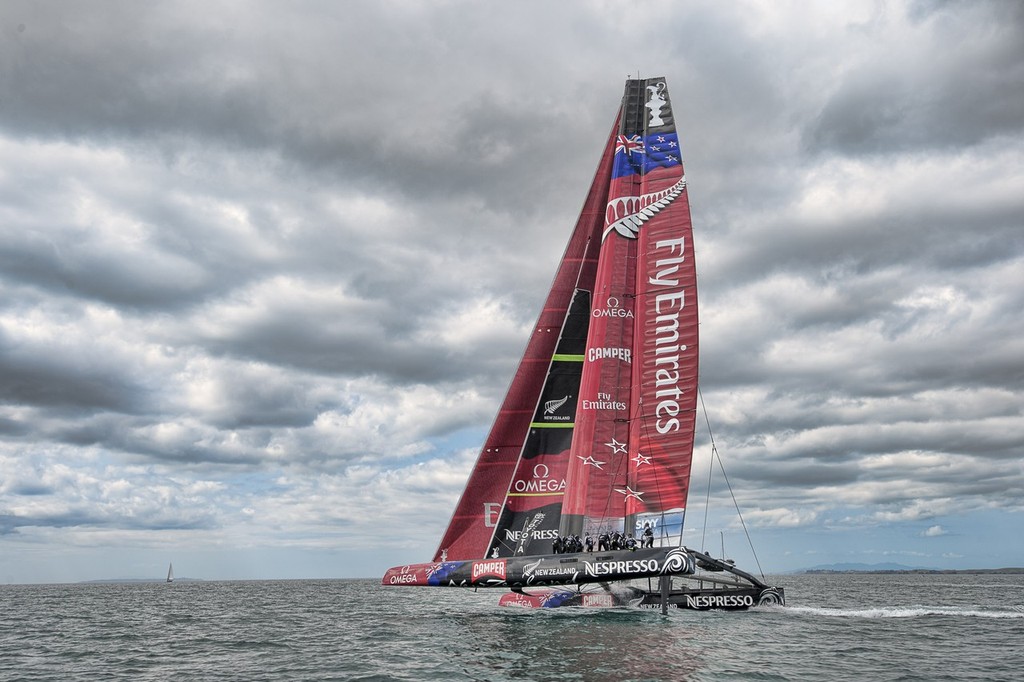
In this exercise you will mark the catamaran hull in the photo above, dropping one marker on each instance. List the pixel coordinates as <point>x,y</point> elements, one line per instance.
<point>729,589</point>
<point>538,571</point>
<point>697,600</point>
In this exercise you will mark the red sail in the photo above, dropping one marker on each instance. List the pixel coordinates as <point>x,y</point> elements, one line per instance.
<point>625,450</point>
<point>476,516</point>
<point>665,378</point>
<point>633,443</point>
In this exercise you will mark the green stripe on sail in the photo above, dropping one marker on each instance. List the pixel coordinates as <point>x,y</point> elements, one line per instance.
<point>552,425</point>
<point>565,357</point>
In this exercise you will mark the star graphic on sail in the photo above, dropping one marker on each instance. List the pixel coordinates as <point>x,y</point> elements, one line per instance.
<point>630,493</point>
<point>589,459</point>
<point>616,446</point>
<point>661,139</point>
<point>641,459</point>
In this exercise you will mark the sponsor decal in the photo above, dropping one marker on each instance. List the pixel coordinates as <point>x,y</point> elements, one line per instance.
<point>552,405</point>
<point>719,601</point>
<point>644,523</point>
<point>518,600</point>
<point>533,572</point>
<point>492,510</point>
<point>515,535</point>
<point>529,568</point>
<point>602,600</point>
<point>677,561</point>
<point>603,402</point>
<point>540,483</point>
<point>489,569</point>
<point>603,568</point>
<point>624,354</point>
<point>556,572</point>
<point>668,350</point>
<point>612,309</point>
<point>664,523</point>
<point>406,576</point>
<point>529,532</point>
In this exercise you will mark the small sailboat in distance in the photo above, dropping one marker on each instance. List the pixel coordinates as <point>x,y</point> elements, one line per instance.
<point>170,573</point>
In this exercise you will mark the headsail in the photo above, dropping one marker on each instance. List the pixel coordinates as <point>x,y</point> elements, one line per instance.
<point>597,425</point>
<point>472,527</point>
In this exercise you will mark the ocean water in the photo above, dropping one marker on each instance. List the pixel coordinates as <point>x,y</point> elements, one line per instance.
<point>836,627</point>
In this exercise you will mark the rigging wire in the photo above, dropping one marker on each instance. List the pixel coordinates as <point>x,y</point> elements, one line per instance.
<point>721,465</point>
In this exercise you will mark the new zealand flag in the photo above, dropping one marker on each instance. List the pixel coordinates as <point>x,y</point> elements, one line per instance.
<point>636,155</point>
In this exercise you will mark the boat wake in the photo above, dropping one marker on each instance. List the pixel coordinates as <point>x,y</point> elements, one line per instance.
<point>906,612</point>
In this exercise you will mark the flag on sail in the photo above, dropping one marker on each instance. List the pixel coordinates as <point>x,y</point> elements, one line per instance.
<point>636,155</point>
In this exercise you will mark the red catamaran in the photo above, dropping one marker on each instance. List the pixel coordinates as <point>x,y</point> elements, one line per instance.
<point>595,435</point>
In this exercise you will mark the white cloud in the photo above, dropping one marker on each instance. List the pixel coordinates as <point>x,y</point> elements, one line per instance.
<point>252,298</point>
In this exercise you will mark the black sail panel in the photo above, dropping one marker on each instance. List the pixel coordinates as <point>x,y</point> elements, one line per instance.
<point>529,518</point>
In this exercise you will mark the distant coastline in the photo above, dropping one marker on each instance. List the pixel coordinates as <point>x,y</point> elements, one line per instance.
<point>138,580</point>
<point>925,571</point>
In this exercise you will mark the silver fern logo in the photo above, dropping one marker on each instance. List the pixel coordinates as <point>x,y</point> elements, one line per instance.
<point>529,569</point>
<point>631,212</point>
<point>551,406</point>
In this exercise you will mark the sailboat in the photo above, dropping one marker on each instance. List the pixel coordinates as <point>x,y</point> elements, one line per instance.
<point>170,573</point>
<point>579,492</point>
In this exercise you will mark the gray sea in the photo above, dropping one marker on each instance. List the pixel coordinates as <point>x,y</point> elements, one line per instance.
<point>835,627</point>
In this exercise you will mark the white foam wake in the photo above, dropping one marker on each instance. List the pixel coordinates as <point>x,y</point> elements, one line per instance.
<point>905,612</point>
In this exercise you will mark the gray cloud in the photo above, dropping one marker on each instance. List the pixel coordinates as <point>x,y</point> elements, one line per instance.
<point>264,276</point>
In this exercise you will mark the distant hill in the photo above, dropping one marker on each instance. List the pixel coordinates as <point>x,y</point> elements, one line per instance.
<point>862,568</point>
<point>140,580</point>
<point>900,568</point>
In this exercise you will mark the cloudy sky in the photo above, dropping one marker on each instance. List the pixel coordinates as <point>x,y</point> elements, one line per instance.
<point>265,270</point>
